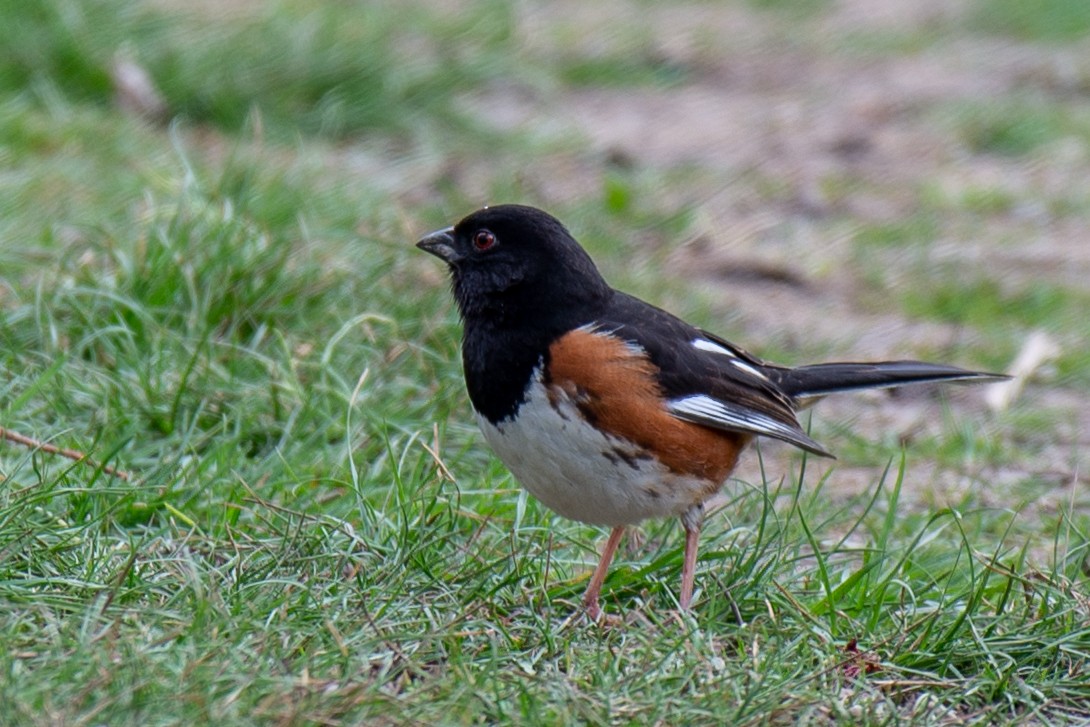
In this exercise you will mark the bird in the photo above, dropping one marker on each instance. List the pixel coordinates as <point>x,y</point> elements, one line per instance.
<point>608,409</point>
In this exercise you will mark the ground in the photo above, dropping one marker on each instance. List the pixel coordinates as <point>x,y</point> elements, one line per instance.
<point>239,477</point>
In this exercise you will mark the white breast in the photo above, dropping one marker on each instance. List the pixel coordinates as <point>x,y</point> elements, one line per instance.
<point>582,473</point>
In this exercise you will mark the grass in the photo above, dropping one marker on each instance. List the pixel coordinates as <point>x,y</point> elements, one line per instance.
<point>230,311</point>
<point>977,302</point>
<point>1019,127</point>
<point>1050,20</point>
<point>325,70</point>
<point>621,71</point>
<point>902,233</point>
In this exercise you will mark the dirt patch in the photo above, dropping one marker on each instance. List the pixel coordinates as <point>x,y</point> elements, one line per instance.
<point>840,132</point>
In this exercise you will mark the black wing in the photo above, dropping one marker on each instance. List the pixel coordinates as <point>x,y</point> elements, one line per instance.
<point>705,379</point>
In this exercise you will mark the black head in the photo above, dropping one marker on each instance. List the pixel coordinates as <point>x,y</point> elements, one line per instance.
<point>511,261</point>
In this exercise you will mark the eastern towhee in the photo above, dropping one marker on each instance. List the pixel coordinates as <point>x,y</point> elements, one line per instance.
<point>608,409</point>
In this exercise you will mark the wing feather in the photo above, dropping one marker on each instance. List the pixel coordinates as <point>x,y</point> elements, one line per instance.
<point>710,412</point>
<point>705,379</point>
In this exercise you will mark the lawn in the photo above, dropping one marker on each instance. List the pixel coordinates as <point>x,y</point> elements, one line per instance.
<point>277,508</point>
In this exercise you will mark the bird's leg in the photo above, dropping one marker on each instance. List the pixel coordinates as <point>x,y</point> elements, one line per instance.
<point>590,598</point>
<point>691,520</point>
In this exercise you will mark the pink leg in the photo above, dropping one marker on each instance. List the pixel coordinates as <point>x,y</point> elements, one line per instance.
<point>691,521</point>
<point>590,598</point>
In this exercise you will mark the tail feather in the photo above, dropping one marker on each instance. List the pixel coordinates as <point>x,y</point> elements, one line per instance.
<point>832,378</point>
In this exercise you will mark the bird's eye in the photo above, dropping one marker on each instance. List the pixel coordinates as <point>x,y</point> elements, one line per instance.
<point>483,239</point>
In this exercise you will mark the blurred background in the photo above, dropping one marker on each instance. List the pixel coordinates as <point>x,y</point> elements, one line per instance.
<point>207,279</point>
<point>856,178</point>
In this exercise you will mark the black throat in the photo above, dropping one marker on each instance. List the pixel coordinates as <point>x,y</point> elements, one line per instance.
<point>502,349</point>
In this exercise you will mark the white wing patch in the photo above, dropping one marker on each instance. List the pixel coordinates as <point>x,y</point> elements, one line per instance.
<point>703,409</point>
<point>704,344</point>
<point>712,347</point>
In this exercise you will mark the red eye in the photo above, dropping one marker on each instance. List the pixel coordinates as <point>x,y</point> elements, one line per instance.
<point>483,239</point>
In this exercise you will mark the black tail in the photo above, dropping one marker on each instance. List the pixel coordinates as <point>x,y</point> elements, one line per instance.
<point>831,378</point>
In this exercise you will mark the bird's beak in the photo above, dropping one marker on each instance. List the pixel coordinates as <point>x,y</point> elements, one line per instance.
<point>441,244</point>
